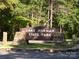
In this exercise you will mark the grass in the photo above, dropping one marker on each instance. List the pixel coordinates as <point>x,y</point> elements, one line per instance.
<point>33,45</point>
<point>6,46</point>
<point>44,46</point>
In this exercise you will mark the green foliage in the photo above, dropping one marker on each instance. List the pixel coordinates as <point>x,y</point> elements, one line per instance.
<point>68,16</point>
<point>15,14</point>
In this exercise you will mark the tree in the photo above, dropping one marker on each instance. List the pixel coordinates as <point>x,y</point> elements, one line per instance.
<point>67,15</point>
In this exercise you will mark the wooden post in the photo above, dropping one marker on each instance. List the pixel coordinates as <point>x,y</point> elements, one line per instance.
<point>4,38</point>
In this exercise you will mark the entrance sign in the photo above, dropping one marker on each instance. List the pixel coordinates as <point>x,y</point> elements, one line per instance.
<point>43,34</point>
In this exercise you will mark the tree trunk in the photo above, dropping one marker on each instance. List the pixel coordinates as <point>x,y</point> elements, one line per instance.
<point>48,25</point>
<point>50,13</point>
<point>61,28</point>
<point>51,4</point>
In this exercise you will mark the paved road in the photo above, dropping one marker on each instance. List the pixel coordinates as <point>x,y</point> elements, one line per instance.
<point>38,55</point>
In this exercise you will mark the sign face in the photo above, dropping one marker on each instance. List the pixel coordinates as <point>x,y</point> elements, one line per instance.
<point>43,34</point>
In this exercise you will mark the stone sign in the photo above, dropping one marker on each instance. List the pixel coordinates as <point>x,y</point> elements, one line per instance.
<point>18,38</point>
